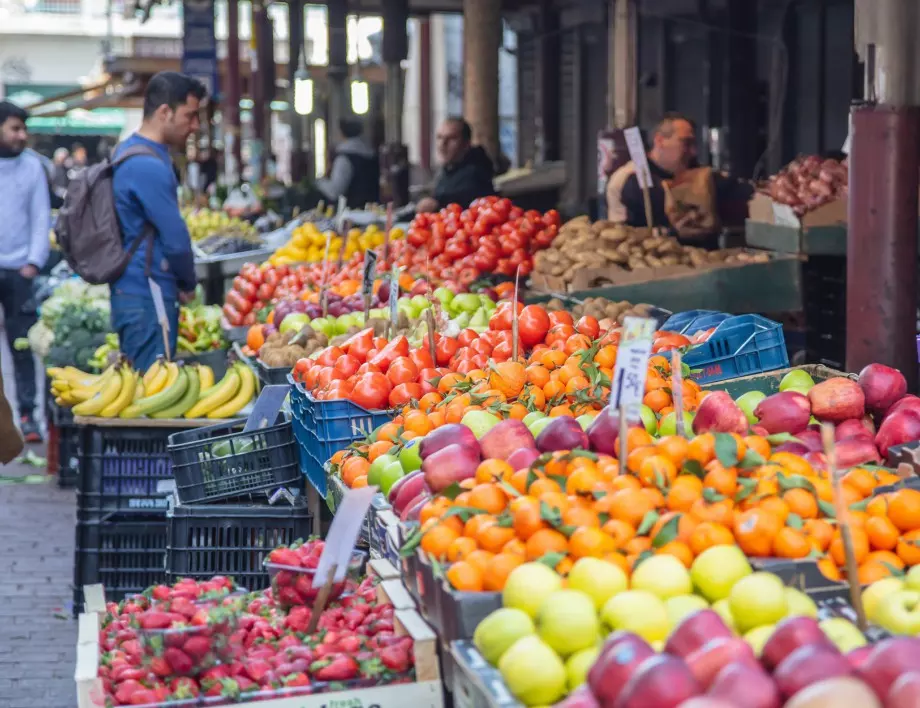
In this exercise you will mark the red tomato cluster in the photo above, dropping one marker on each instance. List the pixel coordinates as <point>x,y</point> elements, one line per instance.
<point>492,236</point>
<point>258,286</point>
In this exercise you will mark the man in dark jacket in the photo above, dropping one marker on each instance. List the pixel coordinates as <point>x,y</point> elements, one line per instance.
<point>355,170</point>
<point>467,171</point>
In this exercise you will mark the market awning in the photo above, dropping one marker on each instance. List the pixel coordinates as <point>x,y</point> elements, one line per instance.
<point>54,114</point>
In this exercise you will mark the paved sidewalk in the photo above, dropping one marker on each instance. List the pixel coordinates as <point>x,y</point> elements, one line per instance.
<point>37,646</point>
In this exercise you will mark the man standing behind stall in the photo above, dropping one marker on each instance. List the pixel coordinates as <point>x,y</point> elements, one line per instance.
<point>25,227</point>
<point>466,172</point>
<point>145,189</point>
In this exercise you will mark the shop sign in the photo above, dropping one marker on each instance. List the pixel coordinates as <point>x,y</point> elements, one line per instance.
<point>199,43</point>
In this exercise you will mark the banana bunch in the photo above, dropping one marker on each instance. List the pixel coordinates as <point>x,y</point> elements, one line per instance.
<point>166,390</point>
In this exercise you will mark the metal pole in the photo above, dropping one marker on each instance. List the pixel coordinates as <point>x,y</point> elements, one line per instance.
<point>231,106</point>
<point>295,50</point>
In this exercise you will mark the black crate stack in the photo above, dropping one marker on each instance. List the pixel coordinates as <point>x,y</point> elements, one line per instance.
<point>824,284</point>
<point>221,519</point>
<point>63,451</point>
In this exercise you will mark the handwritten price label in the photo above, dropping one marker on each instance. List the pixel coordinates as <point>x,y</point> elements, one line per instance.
<point>628,387</point>
<point>370,269</point>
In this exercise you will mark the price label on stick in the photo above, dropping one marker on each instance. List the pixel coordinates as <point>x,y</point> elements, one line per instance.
<point>343,533</point>
<point>346,228</point>
<point>340,214</point>
<point>636,149</point>
<point>367,278</point>
<point>394,298</point>
<point>386,234</point>
<point>159,307</point>
<point>628,386</point>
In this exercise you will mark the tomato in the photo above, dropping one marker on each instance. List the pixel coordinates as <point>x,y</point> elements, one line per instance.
<point>346,365</point>
<point>249,319</point>
<point>402,370</point>
<point>588,326</point>
<point>481,346</point>
<point>421,357</point>
<point>233,316</point>
<point>329,355</point>
<point>467,336</point>
<point>338,389</point>
<point>302,366</point>
<point>559,333</point>
<point>367,368</point>
<point>501,318</point>
<point>418,236</point>
<point>533,324</point>
<point>238,302</point>
<point>265,292</point>
<point>380,342</point>
<point>561,317</point>
<point>512,242</point>
<point>405,393</point>
<point>466,366</point>
<point>392,351</point>
<point>428,375</point>
<point>371,391</point>
<point>445,348</point>
<point>359,344</point>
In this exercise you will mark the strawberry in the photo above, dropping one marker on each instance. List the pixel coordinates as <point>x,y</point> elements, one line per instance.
<point>289,597</point>
<point>395,658</point>
<point>303,584</point>
<point>159,666</point>
<point>298,618</point>
<point>143,696</point>
<point>184,687</point>
<point>338,667</point>
<point>284,556</point>
<point>296,679</point>
<point>155,620</point>
<point>197,647</point>
<point>256,669</point>
<point>180,662</point>
<point>127,689</point>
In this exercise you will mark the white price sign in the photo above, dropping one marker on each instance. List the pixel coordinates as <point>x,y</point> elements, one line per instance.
<point>628,387</point>
<point>343,533</point>
<point>637,154</point>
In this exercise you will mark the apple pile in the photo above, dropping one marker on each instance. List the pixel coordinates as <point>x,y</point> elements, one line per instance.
<point>871,415</point>
<point>894,603</point>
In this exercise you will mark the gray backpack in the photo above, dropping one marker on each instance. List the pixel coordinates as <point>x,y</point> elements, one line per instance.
<point>87,227</point>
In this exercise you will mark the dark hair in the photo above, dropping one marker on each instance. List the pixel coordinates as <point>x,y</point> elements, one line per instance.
<point>466,132</point>
<point>666,124</point>
<point>11,110</point>
<point>351,128</point>
<point>172,89</point>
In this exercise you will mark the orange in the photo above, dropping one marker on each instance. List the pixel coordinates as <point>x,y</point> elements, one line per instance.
<point>389,432</point>
<point>359,482</point>
<point>723,480</point>
<point>878,506</point>
<point>546,541</point>
<point>657,399</point>
<point>492,537</point>
<point>754,531</point>
<point>685,525</point>
<point>657,471</point>
<point>759,445</point>
<point>629,505</point>
<point>638,545</point>
<point>556,500</point>
<point>564,566</point>
<point>860,479</point>
<point>720,512</point>
<point>583,480</point>
<point>619,560</point>
<point>354,467</point>
<point>819,531</point>
<point>892,559</point>
<point>637,437</point>
<point>480,559</point>
<point>679,550</point>
<point>542,486</point>
<point>860,546</point>
<point>674,448</point>
<point>792,464</point>
<point>515,547</point>
<point>620,531</point>
<point>608,467</point>
<point>417,422</point>
<point>590,542</point>
<point>475,523</point>
<point>908,548</point>
<point>636,456</point>
<point>581,517</point>
<point>527,519</point>
<point>434,509</point>
<point>904,509</point>
<point>488,497</point>
<point>654,496</point>
<point>465,577</point>
<point>436,540</point>
<point>378,448</point>
<point>883,534</point>
<point>823,487</point>
<point>684,493</point>
<point>702,448</point>
<point>828,569</point>
<point>625,481</point>
<point>871,571</point>
<point>790,543</point>
<point>776,506</point>
<point>709,534</point>
<point>802,503</point>
<point>498,569</point>
<point>460,548</point>
<point>493,470</point>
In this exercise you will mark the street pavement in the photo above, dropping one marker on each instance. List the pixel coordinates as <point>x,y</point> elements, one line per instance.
<point>38,634</point>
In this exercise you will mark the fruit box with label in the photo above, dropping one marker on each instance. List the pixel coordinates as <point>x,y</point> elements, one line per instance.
<point>474,682</point>
<point>424,692</point>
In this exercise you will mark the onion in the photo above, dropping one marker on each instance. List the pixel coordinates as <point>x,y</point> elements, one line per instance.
<point>837,399</point>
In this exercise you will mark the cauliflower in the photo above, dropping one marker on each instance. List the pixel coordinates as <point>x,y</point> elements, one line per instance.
<point>41,339</point>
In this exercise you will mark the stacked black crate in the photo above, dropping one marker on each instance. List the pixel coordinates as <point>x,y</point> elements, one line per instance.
<point>237,496</point>
<point>63,450</point>
<point>824,291</point>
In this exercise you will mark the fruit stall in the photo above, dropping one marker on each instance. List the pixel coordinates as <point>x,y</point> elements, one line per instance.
<point>411,486</point>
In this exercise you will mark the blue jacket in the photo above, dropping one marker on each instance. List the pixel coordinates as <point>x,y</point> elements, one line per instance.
<point>145,190</point>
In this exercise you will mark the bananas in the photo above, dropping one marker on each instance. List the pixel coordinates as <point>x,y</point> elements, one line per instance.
<point>166,390</point>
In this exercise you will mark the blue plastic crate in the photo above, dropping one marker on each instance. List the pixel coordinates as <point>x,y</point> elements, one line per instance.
<point>322,428</point>
<point>740,346</point>
<point>692,321</point>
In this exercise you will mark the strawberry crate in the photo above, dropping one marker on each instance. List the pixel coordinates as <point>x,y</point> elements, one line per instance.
<point>424,692</point>
<point>222,462</point>
<point>231,539</point>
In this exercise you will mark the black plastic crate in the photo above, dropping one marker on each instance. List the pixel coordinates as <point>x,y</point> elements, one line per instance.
<point>64,454</point>
<point>272,375</point>
<point>125,553</point>
<point>231,539</point>
<point>121,469</point>
<point>222,462</point>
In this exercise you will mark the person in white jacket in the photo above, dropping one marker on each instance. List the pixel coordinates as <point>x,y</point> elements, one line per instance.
<point>25,225</point>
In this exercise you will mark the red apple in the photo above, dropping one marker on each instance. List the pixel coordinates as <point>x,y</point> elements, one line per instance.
<point>662,681</point>
<point>784,412</point>
<point>810,439</point>
<point>450,464</point>
<point>580,698</point>
<point>818,460</point>
<point>621,654</point>
<point>858,656</point>
<point>718,413</point>
<point>709,659</point>
<point>898,428</point>
<point>791,634</point>
<point>505,438</point>
<point>745,685</point>
<point>808,665</point>
<point>694,631</point>
<point>450,434</point>
<point>905,692</point>
<point>910,401</point>
<point>835,692</point>
<point>882,387</point>
<point>887,661</point>
<point>857,451</point>
<point>854,428</point>
<point>604,431</point>
<point>523,458</point>
<point>707,702</point>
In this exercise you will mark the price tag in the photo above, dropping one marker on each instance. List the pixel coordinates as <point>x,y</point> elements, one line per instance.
<point>394,296</point>
<point>784,215</point>
<point>637,154</point>
<point>267,407</point>
<point>160,307</point>
<point>386,235</point>
<point>340,213</point>
<point>628,386</point>
<point>343,533</point>
<point>846,143</point>
<point>370,270</point>
<point>346,228</point>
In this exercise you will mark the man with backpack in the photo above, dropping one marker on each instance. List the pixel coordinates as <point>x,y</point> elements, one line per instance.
<point>25,226</point>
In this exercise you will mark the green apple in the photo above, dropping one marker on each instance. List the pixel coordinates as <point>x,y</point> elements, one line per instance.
<point>637,611</point>
<point>747,402</point>
<point>758,636</point>
<point>649,419</point>
<point>480,422</point>
<point>800,604</point>
<point>796,379</point>
<point>874,594</point>
<point>421,302</point>
<point>722,609</point>
<point>480,318</point>
<point>567,621</point>
<point>466,302</point>
<point>528,585</point>
<point>668,424</point>
<point>578,665</point>
<point>843,633</point>
<point>532,417</point>
<point>294,322</point>
<point>681,606</point>
<point>586,419</point>
<point>715,571</point>
<point>758,599</point>
<point>533,672</point>
<point>409,456</point>
<point>377,467</point>
<point>537,426</point>
<point>444,295</point>
<point>462,320</point>
<point>390,475</point>
<point>663,576</point>
<point>598,579</point>
<point>317,324</point>
<point>912,579</point>
<point>899,612</point>
<point>486,301</point>
<point>497,632</point>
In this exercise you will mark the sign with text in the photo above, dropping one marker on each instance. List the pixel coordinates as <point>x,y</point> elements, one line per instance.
<point>369,272</point>
<point>343,533</point>
<point>199,43</point>
<point>637,154</point>
<point>628,386</point>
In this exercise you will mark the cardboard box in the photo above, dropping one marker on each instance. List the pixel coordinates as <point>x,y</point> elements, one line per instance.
<point>762,208</point>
